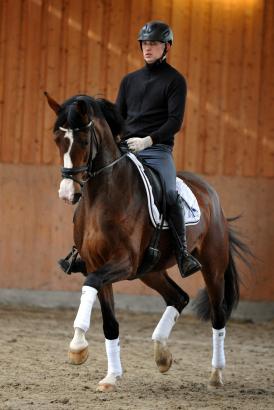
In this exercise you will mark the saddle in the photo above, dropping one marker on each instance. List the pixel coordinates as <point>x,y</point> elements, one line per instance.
<point>155,192</point>
<point>156,185</point>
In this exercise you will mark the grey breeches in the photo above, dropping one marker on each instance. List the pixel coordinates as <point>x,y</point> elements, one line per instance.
<point>159,157</point>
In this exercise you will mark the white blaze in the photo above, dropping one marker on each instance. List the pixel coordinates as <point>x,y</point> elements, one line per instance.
<point>66,190</point>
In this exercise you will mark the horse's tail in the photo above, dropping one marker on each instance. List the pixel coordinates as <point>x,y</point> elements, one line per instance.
<point>232,278</point>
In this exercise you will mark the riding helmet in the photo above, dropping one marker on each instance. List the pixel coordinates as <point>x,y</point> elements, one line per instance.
<point>156,31</point>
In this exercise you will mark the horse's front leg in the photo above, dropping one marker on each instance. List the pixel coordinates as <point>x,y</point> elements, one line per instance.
<point>112,342</point>
<point>99,281</point>
<point>78,348</point>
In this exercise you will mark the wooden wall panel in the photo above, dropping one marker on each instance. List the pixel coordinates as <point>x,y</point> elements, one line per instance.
<point>235,49</point>
<point>139,9</point>
<point>73,50</point>
<point>95,47</point>
<point>221,137</point>
<point>251,80</point>
<point>181,25</point>
<point>119,25</point>
<point>265,165</point>
<point>160,10</point>
<point>199,142</point>
<point>62,73</point>
<point>3,29</point>
<point>53,16</point>
<point>31,137</point>
<point>195,85</point>
<point>224,49</point>
<point>41,104</point>
<point>213,89</point>
<point>10,51</point>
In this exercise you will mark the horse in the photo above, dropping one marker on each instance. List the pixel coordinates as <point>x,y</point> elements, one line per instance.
<point>112,231</point>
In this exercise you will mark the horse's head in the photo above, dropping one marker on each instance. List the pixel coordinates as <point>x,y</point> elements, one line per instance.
<point>75,136</point>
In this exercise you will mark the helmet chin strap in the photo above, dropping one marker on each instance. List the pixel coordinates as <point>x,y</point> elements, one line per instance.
<point>164,53</point>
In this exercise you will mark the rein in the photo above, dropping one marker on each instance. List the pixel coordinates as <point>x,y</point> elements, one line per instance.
<point>68,173</point>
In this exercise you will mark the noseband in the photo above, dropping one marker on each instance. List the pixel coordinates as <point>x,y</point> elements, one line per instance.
<point>69,173</point>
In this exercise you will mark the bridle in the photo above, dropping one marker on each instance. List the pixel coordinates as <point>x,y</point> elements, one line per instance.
<point>69,173</point>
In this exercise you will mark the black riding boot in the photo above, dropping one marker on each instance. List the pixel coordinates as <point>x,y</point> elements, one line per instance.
<point>186,262</point>
<point>72,263</point>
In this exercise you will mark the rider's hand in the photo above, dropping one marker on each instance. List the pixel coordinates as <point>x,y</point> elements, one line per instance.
<point>138,144</point>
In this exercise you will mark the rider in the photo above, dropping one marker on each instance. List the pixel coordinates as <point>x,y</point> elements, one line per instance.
<point>152,102</point>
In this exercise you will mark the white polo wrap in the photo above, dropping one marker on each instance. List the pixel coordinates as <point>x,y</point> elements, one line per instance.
<point>218,355</point>
<point>164,327</point>
<point>88,298</point>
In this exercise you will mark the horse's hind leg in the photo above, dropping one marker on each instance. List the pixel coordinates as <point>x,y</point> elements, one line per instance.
<point>176,299</point>
<point>218,320</point>
<point>211,304</point>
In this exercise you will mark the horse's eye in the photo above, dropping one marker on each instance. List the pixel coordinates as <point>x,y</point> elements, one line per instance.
<point>83,143</point>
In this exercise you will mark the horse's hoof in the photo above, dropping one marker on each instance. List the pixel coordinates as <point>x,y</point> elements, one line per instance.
<point>216,380</point>
<point>78,357</point>
<point>108,384</point>
<point>162,356</point>
<point>106,387</point>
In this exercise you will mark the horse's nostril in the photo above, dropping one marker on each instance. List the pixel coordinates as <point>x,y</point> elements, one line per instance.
<point>76,197</point>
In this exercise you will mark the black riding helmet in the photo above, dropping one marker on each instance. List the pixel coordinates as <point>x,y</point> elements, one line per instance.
<point>156,31</point>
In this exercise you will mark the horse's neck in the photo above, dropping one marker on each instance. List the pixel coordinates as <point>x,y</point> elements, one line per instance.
<point>107,153</point>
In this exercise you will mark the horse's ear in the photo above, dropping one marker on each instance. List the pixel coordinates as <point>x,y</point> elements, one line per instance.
<point>82,107</point>
<point>52,103</point>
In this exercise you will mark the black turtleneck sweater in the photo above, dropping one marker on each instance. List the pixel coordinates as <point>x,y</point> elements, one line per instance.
<point>152,102</point>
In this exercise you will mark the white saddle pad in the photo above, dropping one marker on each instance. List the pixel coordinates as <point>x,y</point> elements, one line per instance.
<point>191,207</point>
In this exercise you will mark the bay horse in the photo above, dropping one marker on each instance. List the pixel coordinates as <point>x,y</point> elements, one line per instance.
<point>112,231</point>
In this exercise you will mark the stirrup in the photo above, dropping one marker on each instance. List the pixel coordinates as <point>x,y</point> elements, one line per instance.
<point>66,263</point>
<point>187,264</point>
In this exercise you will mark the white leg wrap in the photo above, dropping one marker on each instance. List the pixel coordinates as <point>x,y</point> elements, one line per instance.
<point>78,342</point>
<point>218,355</point>
<point>164,327</point>
<point>88,298</point>
<point>113,355</point>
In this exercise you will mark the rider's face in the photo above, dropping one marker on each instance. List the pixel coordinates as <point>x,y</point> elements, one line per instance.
<point>152,51</point>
